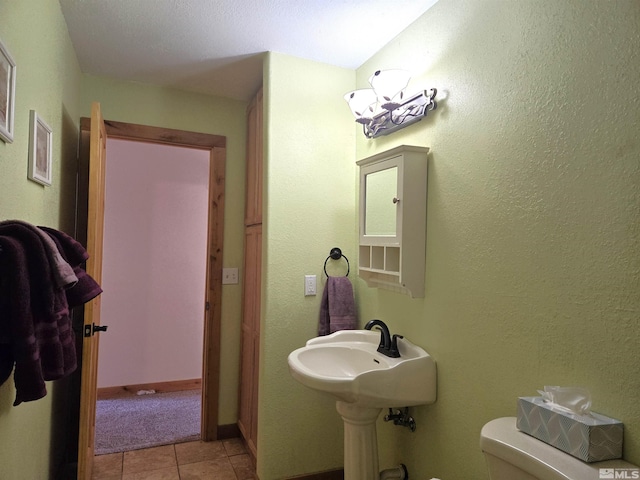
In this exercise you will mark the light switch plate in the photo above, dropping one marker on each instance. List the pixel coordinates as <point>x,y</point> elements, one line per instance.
<point>309,285</point>
<point>229,276</point>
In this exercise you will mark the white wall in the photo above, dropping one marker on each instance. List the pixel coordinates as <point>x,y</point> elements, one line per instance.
<point>154,263</point>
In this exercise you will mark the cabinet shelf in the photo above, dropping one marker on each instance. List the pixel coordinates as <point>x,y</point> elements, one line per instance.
<point>393,208</point>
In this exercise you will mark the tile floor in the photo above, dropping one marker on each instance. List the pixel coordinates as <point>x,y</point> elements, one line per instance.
<point>220,460</point>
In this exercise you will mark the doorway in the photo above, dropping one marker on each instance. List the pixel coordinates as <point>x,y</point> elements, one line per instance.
<point>215,146</point>
<point>153,277</point>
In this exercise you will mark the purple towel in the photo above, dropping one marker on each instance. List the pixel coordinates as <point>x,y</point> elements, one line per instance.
<point>39,272</point>
<point>337,307</point>
<point>73,252</point>
<point>17,323</point>
<point>35,324</point>
<point>62,272</point>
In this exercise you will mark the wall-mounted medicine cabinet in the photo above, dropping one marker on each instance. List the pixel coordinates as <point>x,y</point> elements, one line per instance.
<point>393,212</point>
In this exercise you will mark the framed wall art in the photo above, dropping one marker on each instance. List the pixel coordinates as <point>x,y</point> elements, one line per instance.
<point>7,93</point>
<point>40,146</point>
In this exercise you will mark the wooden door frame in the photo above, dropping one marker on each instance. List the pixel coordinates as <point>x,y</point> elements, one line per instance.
<point>216,146</point>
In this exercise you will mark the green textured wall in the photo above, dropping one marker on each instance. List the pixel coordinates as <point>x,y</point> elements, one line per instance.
<point>532,230</point>
<point>533,217</point>
<point>309,208</point>
<point>165,107</point>
<point>33,435</point>
<point>48,81</point>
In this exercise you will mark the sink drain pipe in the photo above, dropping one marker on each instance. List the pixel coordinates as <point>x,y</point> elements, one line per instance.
<point>397,473</point>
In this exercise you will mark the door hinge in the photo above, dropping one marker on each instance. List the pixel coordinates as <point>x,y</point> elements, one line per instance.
<point>207,306</point>
<point>90,330</point>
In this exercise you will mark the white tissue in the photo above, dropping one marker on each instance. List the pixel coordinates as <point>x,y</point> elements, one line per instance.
<point>568,399</point>
<point>146,392</point>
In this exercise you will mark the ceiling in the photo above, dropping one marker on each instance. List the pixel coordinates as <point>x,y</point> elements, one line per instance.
<point>216,47</point>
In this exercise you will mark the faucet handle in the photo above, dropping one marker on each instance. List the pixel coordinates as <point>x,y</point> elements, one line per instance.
<point>393,351</point>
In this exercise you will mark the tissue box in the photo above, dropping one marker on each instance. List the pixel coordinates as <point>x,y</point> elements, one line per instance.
<point>590,438</point>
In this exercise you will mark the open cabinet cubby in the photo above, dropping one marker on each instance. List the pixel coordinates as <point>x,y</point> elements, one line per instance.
<point>380,258</point>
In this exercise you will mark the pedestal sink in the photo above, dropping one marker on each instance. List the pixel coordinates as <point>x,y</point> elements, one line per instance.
<point>346,364</point>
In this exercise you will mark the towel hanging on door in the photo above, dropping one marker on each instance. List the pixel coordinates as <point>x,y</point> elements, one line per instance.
<point>35,324</point>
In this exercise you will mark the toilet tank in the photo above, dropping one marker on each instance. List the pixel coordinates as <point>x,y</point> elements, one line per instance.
<point>513,455</point>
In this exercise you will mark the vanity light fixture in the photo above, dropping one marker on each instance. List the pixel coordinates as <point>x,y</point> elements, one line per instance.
<point>383,108</point>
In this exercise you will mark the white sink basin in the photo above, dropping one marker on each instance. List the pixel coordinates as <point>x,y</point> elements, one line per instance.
<point>347,365</point>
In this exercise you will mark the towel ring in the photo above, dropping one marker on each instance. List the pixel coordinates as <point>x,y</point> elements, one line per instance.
<point>336,254</point>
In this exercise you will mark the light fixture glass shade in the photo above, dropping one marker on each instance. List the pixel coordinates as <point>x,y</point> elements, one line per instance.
<point>389,86</point>
<point>362,104</point>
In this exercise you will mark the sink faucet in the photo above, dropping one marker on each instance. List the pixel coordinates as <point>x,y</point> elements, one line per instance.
<point>387,346</point>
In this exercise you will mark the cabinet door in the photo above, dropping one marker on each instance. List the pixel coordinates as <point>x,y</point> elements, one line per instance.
<point>250,355</point>
<point>381,200</point>
<point>253,210</point>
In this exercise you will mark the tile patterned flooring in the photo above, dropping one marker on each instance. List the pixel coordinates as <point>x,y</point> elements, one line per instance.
<point>220,460</point>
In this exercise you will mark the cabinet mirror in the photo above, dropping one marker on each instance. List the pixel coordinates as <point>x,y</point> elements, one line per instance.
<point>381,202</point>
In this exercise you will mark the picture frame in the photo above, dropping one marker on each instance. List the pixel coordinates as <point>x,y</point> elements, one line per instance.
<point>40,149</point>
<point>7,94</point>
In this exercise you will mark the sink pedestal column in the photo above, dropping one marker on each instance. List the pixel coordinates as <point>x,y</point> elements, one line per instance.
<point>360,441</point>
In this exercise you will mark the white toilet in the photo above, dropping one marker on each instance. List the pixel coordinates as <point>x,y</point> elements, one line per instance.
<point>513,455</point>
